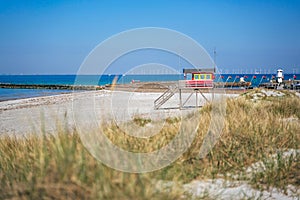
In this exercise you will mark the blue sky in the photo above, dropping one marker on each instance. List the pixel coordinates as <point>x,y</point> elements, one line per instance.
<point>54,37</point>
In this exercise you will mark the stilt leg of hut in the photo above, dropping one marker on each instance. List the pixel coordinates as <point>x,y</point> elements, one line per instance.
<point>203,96</point>
<point>180,99</point>
<point>188,98</point>
<point>196,98</point>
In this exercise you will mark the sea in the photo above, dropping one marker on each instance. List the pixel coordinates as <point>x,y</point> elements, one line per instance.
<point>9,94</point>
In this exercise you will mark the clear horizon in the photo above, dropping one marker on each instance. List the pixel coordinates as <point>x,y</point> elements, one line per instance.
<point>54,37</point>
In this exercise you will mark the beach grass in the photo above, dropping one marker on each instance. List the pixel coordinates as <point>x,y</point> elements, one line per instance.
<point>255,146</point>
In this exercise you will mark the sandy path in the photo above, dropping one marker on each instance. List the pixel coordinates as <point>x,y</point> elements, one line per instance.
<point>47,114</point>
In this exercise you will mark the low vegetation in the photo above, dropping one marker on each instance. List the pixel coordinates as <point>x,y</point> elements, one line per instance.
<point>253,147</point>
<point>141,121</point>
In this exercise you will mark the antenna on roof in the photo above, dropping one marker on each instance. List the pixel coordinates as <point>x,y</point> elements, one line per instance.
<point>215,55</point>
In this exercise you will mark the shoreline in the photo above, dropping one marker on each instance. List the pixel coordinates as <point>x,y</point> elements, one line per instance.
<point>143,87</point>
<point>50,86</point>
<point>18,96</point>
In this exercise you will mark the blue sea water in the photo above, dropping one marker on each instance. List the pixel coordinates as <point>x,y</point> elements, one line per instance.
<point>83,79</point>
<point>7,94</point>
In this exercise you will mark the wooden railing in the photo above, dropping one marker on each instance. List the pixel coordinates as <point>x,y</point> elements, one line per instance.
<point>195,84</point>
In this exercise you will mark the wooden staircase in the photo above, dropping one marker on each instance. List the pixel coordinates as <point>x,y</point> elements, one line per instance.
<point>165,96</point>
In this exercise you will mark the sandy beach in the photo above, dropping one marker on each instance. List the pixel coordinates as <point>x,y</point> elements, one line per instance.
<point>47,114</point>
<point>52,114</point>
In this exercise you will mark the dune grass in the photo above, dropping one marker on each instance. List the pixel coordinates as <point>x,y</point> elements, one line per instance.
<point>59,167</point>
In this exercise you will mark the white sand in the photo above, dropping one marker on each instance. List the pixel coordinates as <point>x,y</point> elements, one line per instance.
<point>47,114</point>
<point>221,189</point>
<point>227,190</point>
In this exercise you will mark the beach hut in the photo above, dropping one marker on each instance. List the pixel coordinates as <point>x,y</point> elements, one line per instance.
<point>201,78</point>
<point>194,81</point>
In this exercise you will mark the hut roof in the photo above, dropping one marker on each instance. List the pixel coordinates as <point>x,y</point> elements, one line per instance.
<point>194,70</point>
